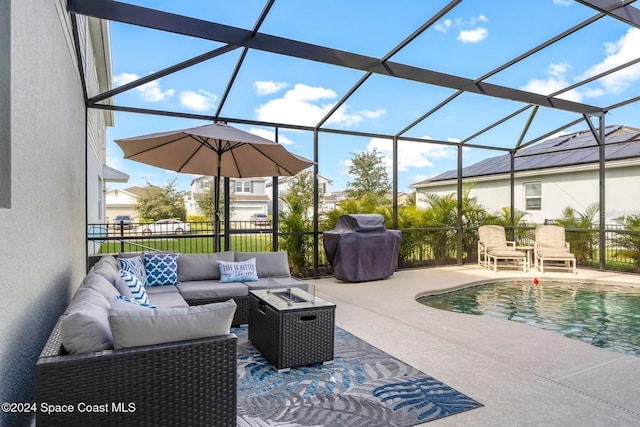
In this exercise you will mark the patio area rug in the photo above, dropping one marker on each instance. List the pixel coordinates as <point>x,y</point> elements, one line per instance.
<point>363,386</point>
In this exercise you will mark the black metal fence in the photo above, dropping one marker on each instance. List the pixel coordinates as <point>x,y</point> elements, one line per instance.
<point>420,247</point>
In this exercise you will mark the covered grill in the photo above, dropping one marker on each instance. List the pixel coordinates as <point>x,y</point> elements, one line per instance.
<point>361,248</point>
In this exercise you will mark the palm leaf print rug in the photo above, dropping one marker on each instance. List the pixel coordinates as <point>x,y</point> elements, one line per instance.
<point>363,386</point>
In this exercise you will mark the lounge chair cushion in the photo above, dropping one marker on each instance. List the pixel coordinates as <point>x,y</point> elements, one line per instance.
<point>551,253</point>
<point>201,266</point>
<point>132,328</point>
<point>505,253</point>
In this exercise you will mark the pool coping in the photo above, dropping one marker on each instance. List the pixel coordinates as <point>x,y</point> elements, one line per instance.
<point>523,375</point>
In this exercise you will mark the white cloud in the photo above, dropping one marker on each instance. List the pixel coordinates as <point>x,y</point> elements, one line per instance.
<point>149,91</point>
<point>562,2</point>
<point>306,105</point>
<point>479,18</point>
<point>411,154</point>
<point>271,136</point>
<point>443,26</point>
<point>268,87</point>
<point>198,101</point>
<point>618,53</point>
<point>555,82</point>
<point>473,36</point>
<point>124,78</point>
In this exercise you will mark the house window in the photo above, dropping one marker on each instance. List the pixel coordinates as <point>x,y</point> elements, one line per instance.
<point>5,104</point>
<point>243,186</point>
<point>204,184</point>
<point>322,188</point>
<point>532,196</point>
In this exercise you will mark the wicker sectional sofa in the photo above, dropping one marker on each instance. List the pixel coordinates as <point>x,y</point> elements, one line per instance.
<point>172,378</point>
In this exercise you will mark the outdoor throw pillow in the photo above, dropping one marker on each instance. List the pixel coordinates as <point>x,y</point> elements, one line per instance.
<point>122,301</point>
<point>162,269</point>
<point>243,271</point>
<point>131,287</point>
<point>135,266</point>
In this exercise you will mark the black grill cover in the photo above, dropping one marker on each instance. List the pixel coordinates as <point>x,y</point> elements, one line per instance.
<point>361,248</point>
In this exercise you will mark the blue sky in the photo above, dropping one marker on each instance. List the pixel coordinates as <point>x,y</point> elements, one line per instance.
<point>470,41</point>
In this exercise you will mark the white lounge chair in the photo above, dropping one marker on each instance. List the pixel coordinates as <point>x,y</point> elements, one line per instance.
<point>551,246</point>
<point>494,246</point>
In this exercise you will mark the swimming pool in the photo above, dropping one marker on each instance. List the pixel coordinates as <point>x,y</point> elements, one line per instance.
<point>602,315</point>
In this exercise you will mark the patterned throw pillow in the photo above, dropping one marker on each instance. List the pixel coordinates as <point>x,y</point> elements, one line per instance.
<point>130,286</point>
<point>122,301</point>
<point>243,271</point>
<point>134,266</point>
<point>162,269</point>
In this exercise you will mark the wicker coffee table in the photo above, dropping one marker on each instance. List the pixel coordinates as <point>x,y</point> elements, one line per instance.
<point>291,327</point>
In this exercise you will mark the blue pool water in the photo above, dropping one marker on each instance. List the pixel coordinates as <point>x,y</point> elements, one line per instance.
<point>606,316</point>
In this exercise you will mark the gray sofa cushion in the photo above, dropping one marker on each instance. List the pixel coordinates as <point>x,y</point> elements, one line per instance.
<point>277,282</point>
<point>162,290</point>
<point>132,328</point>
<point>108,268</point>
<point>167,299</point>
<point>268,264</point>
<point>85,328</point>
<point>208,289</point>
<point>201,266</point>
<point>98,283</point>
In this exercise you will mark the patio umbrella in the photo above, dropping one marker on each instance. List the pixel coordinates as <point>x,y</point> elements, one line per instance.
<point>214,150</point>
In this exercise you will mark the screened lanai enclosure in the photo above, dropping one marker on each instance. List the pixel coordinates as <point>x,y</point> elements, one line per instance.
<point>525,117</point>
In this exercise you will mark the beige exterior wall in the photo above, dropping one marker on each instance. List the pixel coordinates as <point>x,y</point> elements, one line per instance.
<point>560,189</point>
<point>43,228</point>
<point>120,202</point>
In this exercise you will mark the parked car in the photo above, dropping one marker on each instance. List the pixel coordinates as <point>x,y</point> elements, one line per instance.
<point>124,220</point>
<point>164,226</point>
<point>260,219</point>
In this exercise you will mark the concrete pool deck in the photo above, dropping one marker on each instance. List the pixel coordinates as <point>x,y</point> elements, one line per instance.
<point>524,376</point>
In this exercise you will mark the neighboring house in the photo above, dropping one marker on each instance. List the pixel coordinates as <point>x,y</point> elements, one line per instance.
<point>247,197</point>
<point>51,176</point>
<point>122,201</point>
<point>328,201</point>
<point>552,175</point>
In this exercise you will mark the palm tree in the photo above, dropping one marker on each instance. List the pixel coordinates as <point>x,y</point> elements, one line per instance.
<point>503,218</point>
<point>583,243</point>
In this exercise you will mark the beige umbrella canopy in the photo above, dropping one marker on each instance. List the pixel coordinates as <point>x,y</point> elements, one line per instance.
<point>214,150</point>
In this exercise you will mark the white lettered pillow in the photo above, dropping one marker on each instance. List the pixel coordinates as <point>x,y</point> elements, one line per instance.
<point>243,271</point>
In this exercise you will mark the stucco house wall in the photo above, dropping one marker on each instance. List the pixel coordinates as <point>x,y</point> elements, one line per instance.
<point>43,225</point>
<point>575,187</point>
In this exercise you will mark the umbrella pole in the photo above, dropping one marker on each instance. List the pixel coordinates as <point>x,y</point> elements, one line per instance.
<point>216,213</point>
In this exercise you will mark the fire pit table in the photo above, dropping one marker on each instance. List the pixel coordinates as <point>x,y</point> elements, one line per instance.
<point>291,327</point>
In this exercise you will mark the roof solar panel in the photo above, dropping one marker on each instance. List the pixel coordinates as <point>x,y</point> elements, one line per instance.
<point>577,148</point>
